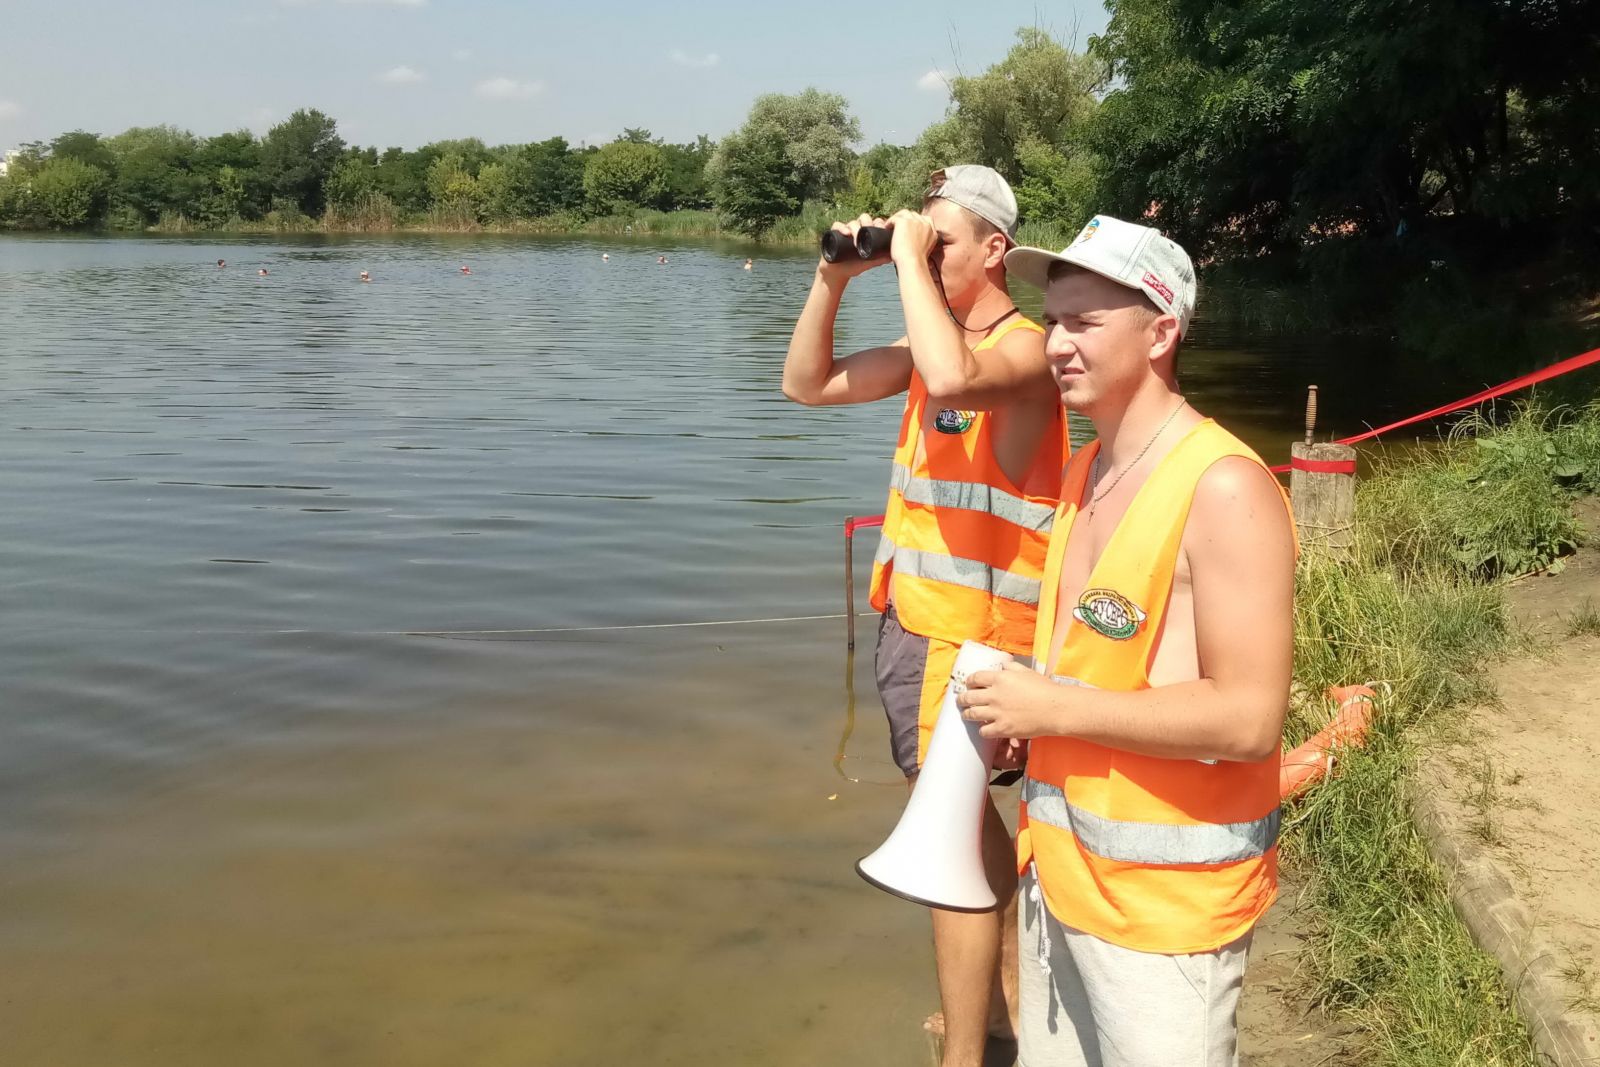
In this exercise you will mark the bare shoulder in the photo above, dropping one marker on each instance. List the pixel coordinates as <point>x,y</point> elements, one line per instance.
<point>1240,503</point>
<point>1023,343</point>
<point>1024,349</point>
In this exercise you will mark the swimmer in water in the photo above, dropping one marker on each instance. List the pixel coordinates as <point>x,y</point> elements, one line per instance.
<point>222,263</point>
<point>661,259</point>
<point>465,269</point>
<point>749,264</point>
<point>605,257</point>
<point>262,272</point>
<point>366,277</point>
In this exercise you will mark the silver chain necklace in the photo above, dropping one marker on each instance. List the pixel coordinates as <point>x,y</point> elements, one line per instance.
<point>1095,499</point>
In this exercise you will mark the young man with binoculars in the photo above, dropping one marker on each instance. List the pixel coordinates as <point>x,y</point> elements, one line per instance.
<point>972,495</point>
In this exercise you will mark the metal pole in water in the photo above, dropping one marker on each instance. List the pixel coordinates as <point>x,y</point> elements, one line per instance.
<point>849,586</point>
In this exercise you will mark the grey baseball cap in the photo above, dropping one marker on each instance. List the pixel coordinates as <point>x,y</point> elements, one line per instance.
<point>982,191</point>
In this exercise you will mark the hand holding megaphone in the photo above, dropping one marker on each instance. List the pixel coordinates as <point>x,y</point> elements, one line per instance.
<point>935,854</point>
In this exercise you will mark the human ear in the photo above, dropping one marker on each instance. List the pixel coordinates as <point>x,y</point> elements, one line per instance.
<point>1164,337</point>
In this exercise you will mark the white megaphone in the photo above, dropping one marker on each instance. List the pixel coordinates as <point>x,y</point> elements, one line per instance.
<point>935,854</point>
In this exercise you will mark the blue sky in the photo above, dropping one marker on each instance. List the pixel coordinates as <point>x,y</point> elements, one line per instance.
<point>411,71</point>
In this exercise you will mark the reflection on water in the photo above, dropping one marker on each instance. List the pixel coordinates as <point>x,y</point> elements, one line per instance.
<point>248,815</point>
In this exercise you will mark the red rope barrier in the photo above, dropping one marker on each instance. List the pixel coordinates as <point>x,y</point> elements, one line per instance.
<point>1555,370</point>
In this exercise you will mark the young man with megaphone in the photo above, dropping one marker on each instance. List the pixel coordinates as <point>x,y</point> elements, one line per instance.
<point>971,498</point>
<point>1164,638</point>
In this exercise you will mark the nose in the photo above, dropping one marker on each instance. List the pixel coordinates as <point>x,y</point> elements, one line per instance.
<point>1057,345</point>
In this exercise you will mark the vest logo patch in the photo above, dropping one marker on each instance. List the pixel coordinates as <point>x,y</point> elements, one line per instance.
<point>1109,614</point>
<point>950,420</point>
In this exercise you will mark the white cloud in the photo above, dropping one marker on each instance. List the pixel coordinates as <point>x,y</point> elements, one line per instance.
<point>461,55</point>
<point>683,59</point>
<point>935,80</point>
<point>508,89</point>
<point>402,76</point>
<point>9,109</point>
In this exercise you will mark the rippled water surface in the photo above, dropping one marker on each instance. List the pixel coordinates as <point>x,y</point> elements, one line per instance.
<point>338,726</point>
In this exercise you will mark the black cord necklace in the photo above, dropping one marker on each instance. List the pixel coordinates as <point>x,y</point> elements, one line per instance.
<point>985,329</point>
<point>938,281</point>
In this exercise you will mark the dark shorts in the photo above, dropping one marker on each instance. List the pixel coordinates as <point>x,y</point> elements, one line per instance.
<point>912,672</point>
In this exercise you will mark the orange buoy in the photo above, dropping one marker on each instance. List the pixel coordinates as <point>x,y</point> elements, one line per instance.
<point>1313,761</point>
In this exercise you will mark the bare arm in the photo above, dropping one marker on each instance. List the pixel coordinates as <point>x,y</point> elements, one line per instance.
<point>811,374</point>
<point>955,376</point>
<point>1241,556</point>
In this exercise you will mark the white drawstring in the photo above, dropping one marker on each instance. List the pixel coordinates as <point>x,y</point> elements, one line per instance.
<point>1037,897</point>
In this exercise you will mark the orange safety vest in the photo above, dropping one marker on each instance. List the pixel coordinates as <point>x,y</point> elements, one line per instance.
<point>963,545</point>
<point>1157,855</point>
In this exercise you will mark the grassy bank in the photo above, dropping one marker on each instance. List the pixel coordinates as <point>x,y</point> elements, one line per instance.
<point>1420,608</point>
<point>798,230</point>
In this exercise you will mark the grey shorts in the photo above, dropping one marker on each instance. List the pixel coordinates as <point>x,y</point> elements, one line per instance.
<point>900,664</point>
<point>1084,1002</point>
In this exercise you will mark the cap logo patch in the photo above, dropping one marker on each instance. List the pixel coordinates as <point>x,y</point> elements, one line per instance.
<point>1088,231</point>
<point>1158,285</point>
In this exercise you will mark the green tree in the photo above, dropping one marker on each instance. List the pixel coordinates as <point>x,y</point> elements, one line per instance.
<point>496,191</point>
<point>624,175</point>
<point>545,178</point>
<point>687,185</point>
<point>297,157</point>
<point>1028,117</point>
<point>85,147</point>
<point>453,189</point>
<point>67,193</point>
<point>752,183</point>
<point>811,131</point>
<point>352,180</point>
<point>403,177</point>
<point>1250,127</point>
<point>155,172</point>
<point>1058,186</point>
<point>1040,93</point>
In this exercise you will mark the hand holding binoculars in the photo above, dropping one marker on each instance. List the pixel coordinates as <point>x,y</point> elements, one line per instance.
<point>870,242</point>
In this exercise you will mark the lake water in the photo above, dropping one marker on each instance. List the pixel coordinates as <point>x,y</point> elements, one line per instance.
<point>342,719</point>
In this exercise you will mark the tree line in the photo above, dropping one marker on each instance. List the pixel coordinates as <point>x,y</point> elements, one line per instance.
<point>1323,134</point>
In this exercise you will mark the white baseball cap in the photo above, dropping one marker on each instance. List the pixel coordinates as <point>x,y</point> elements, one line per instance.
<point>1128,254</point>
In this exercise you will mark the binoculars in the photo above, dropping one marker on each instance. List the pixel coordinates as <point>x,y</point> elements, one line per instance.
<point>872,242</point>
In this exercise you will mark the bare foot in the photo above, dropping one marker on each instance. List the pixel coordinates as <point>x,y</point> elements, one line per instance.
<point>998,1028</point>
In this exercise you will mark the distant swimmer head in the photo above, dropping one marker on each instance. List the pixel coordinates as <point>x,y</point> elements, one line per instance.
<point>465,269</point>
<point>749,264</point>
<point>365,276</point>
<point>606,256</point>
<point>262,272</point>
<point>661,259</point>
<point>222,263</point>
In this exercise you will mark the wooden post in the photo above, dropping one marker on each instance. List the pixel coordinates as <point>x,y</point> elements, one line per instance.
<point>1322,487</point>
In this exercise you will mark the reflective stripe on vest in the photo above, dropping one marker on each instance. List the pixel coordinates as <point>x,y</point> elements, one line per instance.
<point>1166,844</point>
<point>971,496</point>
<point>954,570</point>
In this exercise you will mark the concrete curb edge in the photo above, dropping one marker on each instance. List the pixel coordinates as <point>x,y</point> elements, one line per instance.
<point>1483,896</point>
